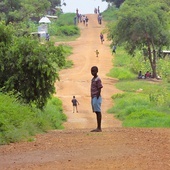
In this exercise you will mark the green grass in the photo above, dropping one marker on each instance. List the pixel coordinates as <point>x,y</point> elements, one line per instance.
<point>63,28</point>
<point>21,122</point>
<point>143,103</point>
<point>64,38</point>
<point>110,14</point>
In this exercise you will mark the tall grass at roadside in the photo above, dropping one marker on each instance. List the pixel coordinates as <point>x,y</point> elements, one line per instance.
<point>144,102</point>
<point>110,14</point>
<point>122,66</point>
<point>138,110</point>
<point>68,52</point>
<point>21,122</point>
<point>63,29</point>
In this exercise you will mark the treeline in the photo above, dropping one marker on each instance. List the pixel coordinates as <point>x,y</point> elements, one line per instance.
<point>142,26</point>
<point>23,10</point>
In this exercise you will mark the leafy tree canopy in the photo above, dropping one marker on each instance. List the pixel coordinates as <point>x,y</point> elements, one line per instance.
<point>19,10</point>
<point>27,67</point>
<point>142,24</point>
<point>117,3</point>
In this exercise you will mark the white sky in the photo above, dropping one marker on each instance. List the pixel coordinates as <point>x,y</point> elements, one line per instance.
<point>84,6</point>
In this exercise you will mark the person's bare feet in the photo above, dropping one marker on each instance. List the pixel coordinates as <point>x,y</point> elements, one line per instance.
<point>96,130</point>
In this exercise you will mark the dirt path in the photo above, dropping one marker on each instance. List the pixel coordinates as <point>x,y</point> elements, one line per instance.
<point>76,81</point>
<point>76,148</point>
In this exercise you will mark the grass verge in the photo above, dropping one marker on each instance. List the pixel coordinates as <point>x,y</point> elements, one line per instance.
<point>143,103</point>
<point>21,122</point>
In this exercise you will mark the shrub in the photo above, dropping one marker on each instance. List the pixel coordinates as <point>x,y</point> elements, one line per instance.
<point>21,122</point>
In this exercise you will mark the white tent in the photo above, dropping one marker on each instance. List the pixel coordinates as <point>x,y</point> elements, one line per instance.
<point>44,20</point>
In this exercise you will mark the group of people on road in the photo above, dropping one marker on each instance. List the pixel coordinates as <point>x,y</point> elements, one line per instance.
<point>97,10</point>
<point>79,18</point>
<point>96,83</point>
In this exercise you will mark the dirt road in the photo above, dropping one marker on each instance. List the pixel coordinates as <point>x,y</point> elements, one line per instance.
<point>76,148</point>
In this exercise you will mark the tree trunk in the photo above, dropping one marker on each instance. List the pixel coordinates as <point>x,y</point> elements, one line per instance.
<point>154,64</point>
<point>152,59</point>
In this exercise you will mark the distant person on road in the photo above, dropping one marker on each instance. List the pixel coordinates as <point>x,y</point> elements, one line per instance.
<point>114,49</point>
<point>97,53</point>
<point>95,10</point>
<point>101,38</point>
<point>100,19</point>
<point>75,103</point>
<point>86,19</point>
<point>98,10</point>
<point>75,20</point>
<point>96,100</point>
<point>77,11</point>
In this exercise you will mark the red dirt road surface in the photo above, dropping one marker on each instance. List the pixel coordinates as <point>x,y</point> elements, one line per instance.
<point>75,147</point>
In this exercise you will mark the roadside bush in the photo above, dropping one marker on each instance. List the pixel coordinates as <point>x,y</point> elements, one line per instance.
<point>29,68</point>
<point>110,14</point>
<point>67,30</point>
<point>147,118</point>
<point>21,122</point>
<point>65,19</point>
<point>121,73</point>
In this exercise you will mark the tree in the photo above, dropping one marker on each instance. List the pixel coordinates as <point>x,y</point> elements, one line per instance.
<point>142,24</point>
<point>20,10</point>
<point>27,67</point>
<point>117,3</point>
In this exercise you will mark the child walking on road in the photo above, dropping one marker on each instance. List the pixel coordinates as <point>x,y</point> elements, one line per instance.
<point>101,38</point>
<point>96,100</point>
<point>75,102</point>
<point>97,53</point>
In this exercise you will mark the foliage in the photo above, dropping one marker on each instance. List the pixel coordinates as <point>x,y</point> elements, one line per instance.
<point>20,10</point>
<point>110,14</point>
<point>64,26</point>
<point>67,30</point>
<point>65,19</point>
<point>146,25</point>
<point>20,122</point>
<point>122,66</point>
<point>117,3</point>
<point>121,73</point>
<point>147,118</point>
<point>29,68</point>
<point>137,110</point>
<point>143,103</point>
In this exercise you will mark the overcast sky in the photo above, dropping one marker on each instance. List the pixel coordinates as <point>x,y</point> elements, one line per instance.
<point>84,6</point>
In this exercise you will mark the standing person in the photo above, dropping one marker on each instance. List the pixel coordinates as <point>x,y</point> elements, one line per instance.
<point>77,11</point>
<point>100,19</point>
<point>101,38</point>
<point>75,102</point>
<point>98,10</point>
<point>47,37</point>
<point>114,49</point>
<point>75,20</point>
<point>96,99</point>
<point>97,53</point>
<point>86,19</point>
